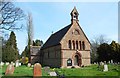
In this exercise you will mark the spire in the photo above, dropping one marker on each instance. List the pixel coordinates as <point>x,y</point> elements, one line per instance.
<point>74,14</point>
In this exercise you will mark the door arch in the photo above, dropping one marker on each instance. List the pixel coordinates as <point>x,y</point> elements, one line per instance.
<point>77,59</point>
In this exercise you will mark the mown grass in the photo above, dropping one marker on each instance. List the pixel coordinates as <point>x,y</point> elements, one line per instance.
<point>92,70</point>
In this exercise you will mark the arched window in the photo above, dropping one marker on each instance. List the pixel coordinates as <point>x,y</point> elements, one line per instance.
<point>83,45</point>
<point>76,44</point>
<point>80,45</point>
<point>69,44</point>
<point>69,62</point>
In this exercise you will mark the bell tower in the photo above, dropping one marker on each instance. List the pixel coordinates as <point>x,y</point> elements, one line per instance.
<point>74,15</point>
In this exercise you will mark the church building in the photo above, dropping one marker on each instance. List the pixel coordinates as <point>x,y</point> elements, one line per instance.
<point>67,47</point>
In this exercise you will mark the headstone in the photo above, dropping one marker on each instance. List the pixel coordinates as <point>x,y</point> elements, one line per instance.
<point>111,61</point>
<point>32,65</point>
<point>37,70</point>
<point>29,64</point>
<point>47,69</point>
<point>53,74</point>
<point>94,63</point>
<point>12,63</point>
<point>7,63</point>
<point>1,63</point>
<point>105,67</point>
<point>9,70</point>
<point>102,63</point>
<point>17,63</point>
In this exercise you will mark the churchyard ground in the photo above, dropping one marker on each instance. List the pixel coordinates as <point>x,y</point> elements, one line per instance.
<point>92,70</point>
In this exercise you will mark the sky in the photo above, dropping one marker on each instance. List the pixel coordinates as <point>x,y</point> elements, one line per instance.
<point>95,18</point>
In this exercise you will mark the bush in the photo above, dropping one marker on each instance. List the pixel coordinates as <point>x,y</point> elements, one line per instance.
<point>24,60</point>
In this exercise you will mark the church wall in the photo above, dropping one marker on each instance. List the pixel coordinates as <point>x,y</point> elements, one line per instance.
<point>70,54</point>
<point>52,56</point>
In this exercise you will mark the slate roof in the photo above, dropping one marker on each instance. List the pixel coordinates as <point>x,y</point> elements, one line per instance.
<point>55,38</point>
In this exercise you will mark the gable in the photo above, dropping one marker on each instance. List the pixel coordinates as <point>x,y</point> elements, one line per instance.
<point>75,33</point>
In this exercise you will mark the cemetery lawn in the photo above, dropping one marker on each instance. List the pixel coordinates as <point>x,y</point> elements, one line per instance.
<point>92,70</point>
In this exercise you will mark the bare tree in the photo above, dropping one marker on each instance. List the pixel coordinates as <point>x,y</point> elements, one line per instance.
<point>9,15</point>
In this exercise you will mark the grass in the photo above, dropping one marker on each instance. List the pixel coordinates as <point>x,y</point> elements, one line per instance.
<point>92,70</point>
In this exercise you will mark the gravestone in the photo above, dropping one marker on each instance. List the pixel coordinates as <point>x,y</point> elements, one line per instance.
<point>9,70</point>
<point>37,70</point>
<point>17,63</point>
<point>32,65</point>
<point>53,74</point>
<point>1,63</point>
<point>111,61</point>
<point>29,64</point>
<point>47,69</point>
<point>105,67</point>
<point>7,63</point>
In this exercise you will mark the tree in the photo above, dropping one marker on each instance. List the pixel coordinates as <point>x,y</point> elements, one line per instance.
<point>96,42</point>
<point>104,52</point>
<point>38,42</point>
<point>10,50</point>
<point>30,33</point>
<point>10,15</point>
<point>115,51</point>
<point>26,52</point>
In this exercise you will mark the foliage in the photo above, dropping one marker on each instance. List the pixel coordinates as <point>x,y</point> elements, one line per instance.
<point>115,51</point>
<point>107,52</point>
<point>104,52</point>
<point>38,42</point>
<point>10,50</point>
<point>24,60</point>
<point>95,43</point>
<point>10,14</point>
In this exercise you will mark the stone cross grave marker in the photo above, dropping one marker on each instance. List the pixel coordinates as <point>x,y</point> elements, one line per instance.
<point>9,70</point>
<point>37,70</point>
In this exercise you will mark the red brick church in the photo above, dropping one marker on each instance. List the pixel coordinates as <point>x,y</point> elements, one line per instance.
<point>65,48</point>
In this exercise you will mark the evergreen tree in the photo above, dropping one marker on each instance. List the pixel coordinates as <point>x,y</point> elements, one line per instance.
<point>10,50</point>
<point>115,51</point>
<point>104,52</point>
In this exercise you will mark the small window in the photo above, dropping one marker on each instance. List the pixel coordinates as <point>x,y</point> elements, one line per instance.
<point>83,45</point>
<point>69,62</point>
<point>69,44</point>
<point>74,45</point>
<point>80,45</point>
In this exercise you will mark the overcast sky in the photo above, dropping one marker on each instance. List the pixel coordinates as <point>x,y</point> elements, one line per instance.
<point>95,18</point>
